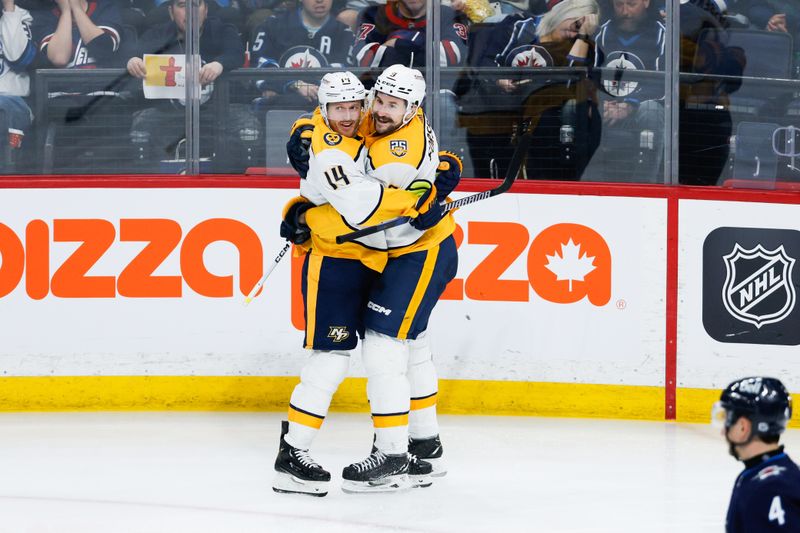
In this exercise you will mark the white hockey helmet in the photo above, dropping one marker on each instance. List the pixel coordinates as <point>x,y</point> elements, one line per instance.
<point>402,82</point>
<point>339,87</point>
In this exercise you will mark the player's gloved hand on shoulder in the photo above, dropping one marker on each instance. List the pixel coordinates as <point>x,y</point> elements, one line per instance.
<point>448,174</point>
<point>299,144</point>
<point>291,228</point>
<point>429,209</point>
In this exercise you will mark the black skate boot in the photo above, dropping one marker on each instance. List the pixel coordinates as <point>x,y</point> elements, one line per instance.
<point>379,472</point>
<point>429,450</point>
<point>419,472</point>
<point>297,472</point>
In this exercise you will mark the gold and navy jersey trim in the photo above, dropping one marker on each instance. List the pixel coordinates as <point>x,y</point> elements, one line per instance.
<point>374,209</point>
<point>305,418</point>
<point>389,420</point>
<point>423,401</point>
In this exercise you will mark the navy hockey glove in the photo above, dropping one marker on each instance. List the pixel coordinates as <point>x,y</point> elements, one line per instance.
<point>429,209</point>
<point>291,228</point>
<point>299,144</point>
<point>448,174</point>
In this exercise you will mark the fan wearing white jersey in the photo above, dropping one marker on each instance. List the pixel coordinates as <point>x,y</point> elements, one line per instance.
<point>336,279</point>
<point>402,383</point>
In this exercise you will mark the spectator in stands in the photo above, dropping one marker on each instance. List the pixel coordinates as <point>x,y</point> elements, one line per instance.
<point>78,33</point>
<point>395,33</point>
<point>162,127</point>
<point>559,38</point>
<point>632,39</point>
<point>705,118</point>
<point>17,53</point>
<point>306,37</point>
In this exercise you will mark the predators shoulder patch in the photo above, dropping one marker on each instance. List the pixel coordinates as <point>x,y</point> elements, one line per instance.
<point>332,139</point>
<point>399,148</point>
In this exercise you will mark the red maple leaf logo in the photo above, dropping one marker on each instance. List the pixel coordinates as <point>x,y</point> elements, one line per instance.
<point>524,62</point>
<point>298,64</point>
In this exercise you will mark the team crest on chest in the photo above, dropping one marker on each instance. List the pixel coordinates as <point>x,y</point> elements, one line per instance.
<point>332,139</point>
<point>398,148</point>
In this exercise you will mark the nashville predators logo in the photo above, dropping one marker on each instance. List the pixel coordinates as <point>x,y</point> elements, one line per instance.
<point>338,333</point>
<point>398,148</point>
<point>332,139</point>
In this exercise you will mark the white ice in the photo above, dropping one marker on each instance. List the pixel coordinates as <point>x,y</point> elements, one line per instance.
<point>212,472</point>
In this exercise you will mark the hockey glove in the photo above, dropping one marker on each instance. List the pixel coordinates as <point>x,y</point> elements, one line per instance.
<point>299,144</point>
<point>448,174</point>
<point>291,228</point>
<point>429,209</point>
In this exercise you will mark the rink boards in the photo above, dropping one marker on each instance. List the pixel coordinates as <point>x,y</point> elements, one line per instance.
<point>570,299</point>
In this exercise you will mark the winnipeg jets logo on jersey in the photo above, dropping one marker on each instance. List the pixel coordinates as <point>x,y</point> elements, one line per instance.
<point>338,333</point>
<point>303,57</point>
<point>529,55</point>
<point>773,470</point>
<point>758,288</point>
<point>621,61</point>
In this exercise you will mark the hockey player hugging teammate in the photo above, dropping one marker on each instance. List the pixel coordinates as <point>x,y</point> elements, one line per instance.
<point>336,279</point>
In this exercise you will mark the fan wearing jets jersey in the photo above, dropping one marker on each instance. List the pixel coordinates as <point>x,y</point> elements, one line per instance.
<point>633,39</point>
<point>403,153</point>
<point>335,279</point>
<point>302,38</point>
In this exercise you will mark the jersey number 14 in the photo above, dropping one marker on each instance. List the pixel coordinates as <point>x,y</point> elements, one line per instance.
<point>336,177</point>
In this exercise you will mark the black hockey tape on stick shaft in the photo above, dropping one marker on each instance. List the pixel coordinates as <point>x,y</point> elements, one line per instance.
<point>511,176</point>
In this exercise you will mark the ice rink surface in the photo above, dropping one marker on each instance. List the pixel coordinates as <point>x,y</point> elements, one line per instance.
<point>212,472</point>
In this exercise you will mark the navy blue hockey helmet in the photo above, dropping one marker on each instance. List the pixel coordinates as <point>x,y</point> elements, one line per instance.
<point>762,400</point>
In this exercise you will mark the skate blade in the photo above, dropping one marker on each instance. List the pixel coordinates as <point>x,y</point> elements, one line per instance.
<point>439,466</point>
<point>289,484</point>
<point>396,483</point>
<point>419,482</point>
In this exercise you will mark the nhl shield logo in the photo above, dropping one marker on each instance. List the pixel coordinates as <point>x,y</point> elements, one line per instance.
<point>758,285</point>
<point>398,148</point>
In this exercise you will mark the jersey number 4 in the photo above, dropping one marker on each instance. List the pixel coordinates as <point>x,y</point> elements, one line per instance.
<point>335,176</point>
<point>776,512</point>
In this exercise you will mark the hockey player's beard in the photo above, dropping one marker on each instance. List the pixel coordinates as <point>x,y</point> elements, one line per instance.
<point>384,125</point>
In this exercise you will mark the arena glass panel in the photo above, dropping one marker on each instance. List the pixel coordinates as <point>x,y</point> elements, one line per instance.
<point>586,77</point>
<point>739,94</point>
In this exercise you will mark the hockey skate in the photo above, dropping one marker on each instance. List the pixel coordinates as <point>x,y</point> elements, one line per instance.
<point>430,451</point>
<point>296,472</point>
<point>419,472</point>
<point>379,472</point>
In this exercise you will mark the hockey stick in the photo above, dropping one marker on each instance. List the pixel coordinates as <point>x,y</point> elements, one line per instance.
<point>270,268</point>
<point>511,175</point>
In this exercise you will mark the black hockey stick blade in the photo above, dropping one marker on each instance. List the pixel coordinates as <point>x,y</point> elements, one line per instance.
<point>513,171</point>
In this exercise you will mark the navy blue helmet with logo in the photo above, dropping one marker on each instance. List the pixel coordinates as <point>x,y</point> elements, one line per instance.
<point>762,400</point>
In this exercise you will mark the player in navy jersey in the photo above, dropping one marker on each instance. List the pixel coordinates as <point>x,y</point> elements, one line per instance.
<point>395,33</point>
<point>766,496</point>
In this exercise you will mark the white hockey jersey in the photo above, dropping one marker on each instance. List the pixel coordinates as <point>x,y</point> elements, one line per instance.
<point>336,179</point>
<point>398,159</point>
<point>16,51</point>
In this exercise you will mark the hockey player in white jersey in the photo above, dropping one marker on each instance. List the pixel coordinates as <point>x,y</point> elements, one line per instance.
<point>403,154</point>
<point>336,279</point>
